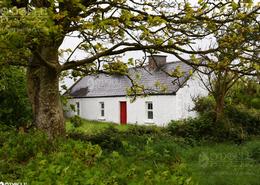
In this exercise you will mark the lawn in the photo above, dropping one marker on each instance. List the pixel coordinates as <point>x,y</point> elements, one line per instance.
<point>105,153</point>
<point>93,127</point>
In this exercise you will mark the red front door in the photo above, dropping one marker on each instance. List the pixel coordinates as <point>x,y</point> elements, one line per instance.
<point>123,113</point>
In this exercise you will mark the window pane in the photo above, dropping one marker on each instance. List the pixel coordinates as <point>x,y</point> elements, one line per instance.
<point>102,105</point>
<point>102,112</point>
<point>77,108</point>
<point>150,106</point>
<point>150,114</point>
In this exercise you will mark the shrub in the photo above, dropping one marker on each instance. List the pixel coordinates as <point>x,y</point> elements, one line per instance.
<point>76,121</point>
<point>15,109</point>
<point>17,149</point>
<point>204,128</point>
<point>204,104</point>
<point>246,92</point>
<point>31,157</point>
<point>66,165</point>
<point>108,139</point>
<point>241,116</point>
<point>21,147</point>
<point>195,128</point>
<point>255,103</point>
<point>144,130</point>
<point>239,119</point>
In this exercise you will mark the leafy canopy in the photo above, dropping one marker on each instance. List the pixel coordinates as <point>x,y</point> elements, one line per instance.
<point>106,28</point>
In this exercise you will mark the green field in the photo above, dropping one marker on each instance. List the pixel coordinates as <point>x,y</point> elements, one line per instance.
<point>105,153</point>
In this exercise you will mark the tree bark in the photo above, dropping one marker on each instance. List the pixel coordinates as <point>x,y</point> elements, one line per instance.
<point>43,91</point>
<point>219,108</point>
<point>219,96</point>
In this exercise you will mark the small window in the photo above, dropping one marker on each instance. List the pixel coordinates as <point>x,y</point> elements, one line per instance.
<point>102,109</point>
<point>78,108</point>
<point>149,110</point>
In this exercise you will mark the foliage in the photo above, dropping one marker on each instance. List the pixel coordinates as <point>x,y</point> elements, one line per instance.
<point>144,158</point>
<point>240,119</point>
<point>45,24</point>
<point>15,109</point>
<point>67,165</point>
<point>76,121</point>
<point>204,104</point>
<point>246,92</point>
<point>144,130</point>
<point>19,148</point>
<point>200,128</point>
<point>107,139</point>
<point>118,68</point>
<point>237,56</point>
<point>246,119</point>
<point>31,157</point>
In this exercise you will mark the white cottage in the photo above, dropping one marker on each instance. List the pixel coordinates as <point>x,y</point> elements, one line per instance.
<point>104,97</point>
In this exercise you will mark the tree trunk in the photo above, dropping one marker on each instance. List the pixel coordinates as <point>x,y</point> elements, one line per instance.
<point>43,91</point>
<point>219,108</point>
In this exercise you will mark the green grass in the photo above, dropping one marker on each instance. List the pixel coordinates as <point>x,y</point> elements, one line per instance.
<point>224,163</point>
<point>94,127</point>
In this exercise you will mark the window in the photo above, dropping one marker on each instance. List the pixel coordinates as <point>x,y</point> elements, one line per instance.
<point>77,108</point>
<point>149,110</point>
<point>102,109</point>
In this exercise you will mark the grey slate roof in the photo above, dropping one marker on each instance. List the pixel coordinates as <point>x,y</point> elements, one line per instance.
<point>103,85</point>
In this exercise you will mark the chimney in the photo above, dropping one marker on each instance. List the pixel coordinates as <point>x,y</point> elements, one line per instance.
<point>156,62</point>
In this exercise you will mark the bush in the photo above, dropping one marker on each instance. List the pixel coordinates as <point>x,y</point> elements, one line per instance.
<point>144,130</point>
<point>196,128</point>
<point>255,103</point>
<point>18,148</point>
<point>246,92</point>
<point>76,121</point>
<point>21,147</point>
<point>241,116</point>
<point>108,139</point>
<point>31,157</point>
<point>67,165</point>
<point>204,128</point>
<point>15,109</point>
<point>239,119</point>
<point>204,104</point>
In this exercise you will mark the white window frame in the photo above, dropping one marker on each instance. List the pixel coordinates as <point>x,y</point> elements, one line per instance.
<point>102,110</point>
<point>78,108</point>
<point>149,110</point>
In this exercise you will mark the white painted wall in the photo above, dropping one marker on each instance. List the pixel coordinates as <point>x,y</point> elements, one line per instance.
<point>165,107</point>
